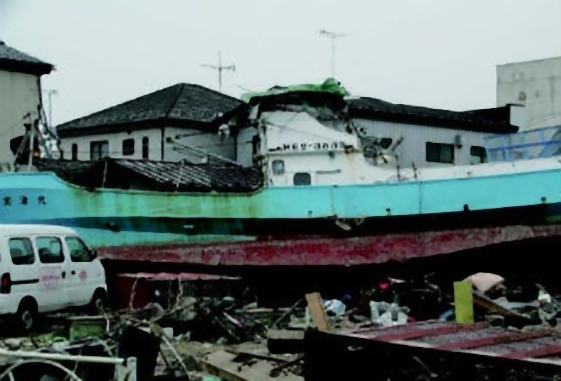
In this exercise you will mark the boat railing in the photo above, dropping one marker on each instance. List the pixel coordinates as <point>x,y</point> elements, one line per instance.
<point>537,143</point>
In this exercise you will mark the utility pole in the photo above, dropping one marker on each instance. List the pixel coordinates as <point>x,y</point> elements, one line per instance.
<point>50,94</point>
<point>333,36</point>
<point>220,68</point>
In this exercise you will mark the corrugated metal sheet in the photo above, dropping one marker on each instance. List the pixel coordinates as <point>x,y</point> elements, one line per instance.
<point>436,351</point>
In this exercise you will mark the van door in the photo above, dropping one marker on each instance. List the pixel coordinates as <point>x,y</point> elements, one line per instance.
<point>53,272</point>
<point>23,270</point>
<point>86,271</point>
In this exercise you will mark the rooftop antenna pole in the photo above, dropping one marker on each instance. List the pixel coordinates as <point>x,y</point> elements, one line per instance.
<point>50,94</point>
<point>220,68</point>
<point>333,36</point>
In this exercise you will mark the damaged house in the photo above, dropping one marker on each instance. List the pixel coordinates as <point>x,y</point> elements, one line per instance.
<point>167,140</point>
<point>307,134</point>
<point>299,135</point>
<point>20,96</point>
<point>156,126</point>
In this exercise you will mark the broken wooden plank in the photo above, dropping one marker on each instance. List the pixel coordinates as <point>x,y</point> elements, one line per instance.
<point>275,372</point>
<point>317,311</point>
<point>222,364</point>
<point>485,302</point>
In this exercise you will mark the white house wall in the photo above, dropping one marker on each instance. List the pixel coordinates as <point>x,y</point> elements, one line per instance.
<point>212,143</point>
<point>19,95</point>
<point>116,144</point>
<point>209,142</point>
<point>534,84</point>
<point>413,147</point>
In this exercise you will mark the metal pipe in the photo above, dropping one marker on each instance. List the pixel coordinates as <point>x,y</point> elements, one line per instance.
<point>61,357</point>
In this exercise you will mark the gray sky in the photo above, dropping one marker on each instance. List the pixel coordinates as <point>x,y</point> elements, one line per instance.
<point>437,53</point>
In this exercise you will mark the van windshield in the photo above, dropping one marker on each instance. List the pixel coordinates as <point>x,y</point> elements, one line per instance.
<point>79,252</point>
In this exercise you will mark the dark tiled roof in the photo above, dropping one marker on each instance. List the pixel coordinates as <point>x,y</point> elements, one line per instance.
<point>469,120</point>
<point>182,102</point>
<point>13,60</point>
<point>215,175</point>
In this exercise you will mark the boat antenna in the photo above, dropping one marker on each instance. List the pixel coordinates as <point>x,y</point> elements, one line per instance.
<point>333,37</point>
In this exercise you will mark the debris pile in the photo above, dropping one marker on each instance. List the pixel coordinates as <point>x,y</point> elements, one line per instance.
<point>231,338</point>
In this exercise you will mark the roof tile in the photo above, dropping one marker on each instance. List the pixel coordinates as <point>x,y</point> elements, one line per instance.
<point>183,102</point>
<point>469,120</point>
<point>14,60</point>
<point>215,175</point>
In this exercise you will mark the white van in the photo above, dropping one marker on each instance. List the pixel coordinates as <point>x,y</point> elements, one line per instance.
<point>46,268</point>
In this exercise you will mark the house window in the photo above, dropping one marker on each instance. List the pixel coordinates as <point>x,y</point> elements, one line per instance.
<point>478,155</point>
<point>99,149</point>
<point>49,249</point>
<point>302,178</point>
<point>145,147</point>
<point>74,152</point>
<point>440,153</point>
<point>128,147</point>
<point>21,251</point>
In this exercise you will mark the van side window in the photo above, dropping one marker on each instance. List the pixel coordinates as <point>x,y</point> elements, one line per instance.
<point>79,252</point>
<point>50,249</point>
<point>21,251</point>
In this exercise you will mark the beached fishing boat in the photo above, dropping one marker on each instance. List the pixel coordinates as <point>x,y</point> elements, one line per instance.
<point>332,197</point>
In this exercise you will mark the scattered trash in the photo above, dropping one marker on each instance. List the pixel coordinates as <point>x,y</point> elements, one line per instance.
<point>484,282</point>
<point>183,337</point>
<point>387,314</point>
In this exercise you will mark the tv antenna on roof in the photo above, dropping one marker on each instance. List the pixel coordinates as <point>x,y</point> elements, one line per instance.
<point>220,68</point>
<point>333,36</point>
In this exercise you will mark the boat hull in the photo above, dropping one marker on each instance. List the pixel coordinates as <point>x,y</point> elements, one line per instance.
<point>340,225</point>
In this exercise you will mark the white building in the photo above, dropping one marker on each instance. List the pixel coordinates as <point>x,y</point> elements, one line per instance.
<point>156,126</point>
<point>316,138</point>
<point>537,86</point>
<point>431,137</point>
<point>20,96</point>
<point>167,124</point>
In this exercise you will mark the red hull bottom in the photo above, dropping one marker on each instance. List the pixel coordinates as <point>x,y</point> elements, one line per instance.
<point>306,251</point>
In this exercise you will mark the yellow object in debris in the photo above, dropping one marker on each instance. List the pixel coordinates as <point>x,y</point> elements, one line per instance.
<point>463,301</point>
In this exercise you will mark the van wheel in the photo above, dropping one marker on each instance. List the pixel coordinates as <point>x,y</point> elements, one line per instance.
<point>98,304</point>
<point>27,314</point>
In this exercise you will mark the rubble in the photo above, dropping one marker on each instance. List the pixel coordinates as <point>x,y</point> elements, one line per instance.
<point>237,366</point>
<point>197,338</point>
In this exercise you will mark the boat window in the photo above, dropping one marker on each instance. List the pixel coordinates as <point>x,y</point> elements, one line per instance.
<point>74,152</point>
<point>145,147</point>
<point>478,155</point>
<point>385,143</point>
<point>99,149</point>
<point>21,251</point>
<point>49,249</point>
<point>439,153</point>
<point>302,178</point>
<point>128,147</point>
<point>278,167</point>
<point>79,252</point>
